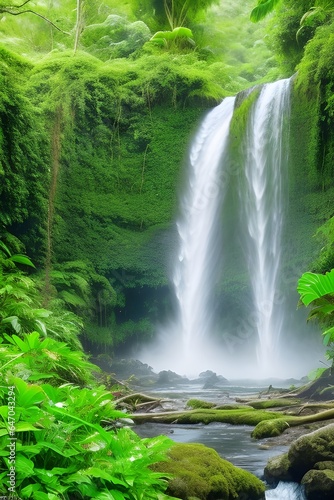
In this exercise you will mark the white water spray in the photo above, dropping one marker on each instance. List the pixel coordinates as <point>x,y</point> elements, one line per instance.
<point>265,162</point>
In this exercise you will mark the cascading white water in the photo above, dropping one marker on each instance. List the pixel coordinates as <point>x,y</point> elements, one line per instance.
<point>262,200</point>
<point>195,269</point>
<point>250,177</point>
<point>286,491</point>
<point>185,346</point>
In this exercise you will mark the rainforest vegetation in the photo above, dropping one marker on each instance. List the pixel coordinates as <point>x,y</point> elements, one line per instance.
<point>98,102</point>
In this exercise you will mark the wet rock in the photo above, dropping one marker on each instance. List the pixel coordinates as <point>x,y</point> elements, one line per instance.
<point>319,484</point>
<point>167,377</point>
<point>134,372</point>
<point>309,461</point>
<point>211,379</point>
<point>278,469</point>
<point>305,452</point>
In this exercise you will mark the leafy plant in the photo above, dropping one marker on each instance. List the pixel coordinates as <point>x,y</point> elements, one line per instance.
<point>45,358</point>
<point>262,9</point>
<point>317,290</point>
<point>62,449</point>
<point>178,37</point>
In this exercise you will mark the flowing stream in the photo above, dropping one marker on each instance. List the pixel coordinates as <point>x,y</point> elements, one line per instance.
<point>232,442</point>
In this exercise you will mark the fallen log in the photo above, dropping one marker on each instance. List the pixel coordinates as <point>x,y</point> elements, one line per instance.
<point>277,426</point>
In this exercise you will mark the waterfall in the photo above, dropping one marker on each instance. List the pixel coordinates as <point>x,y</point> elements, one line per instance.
<point>235,181</point>
<point>263,201</point>
<point>195,268</point>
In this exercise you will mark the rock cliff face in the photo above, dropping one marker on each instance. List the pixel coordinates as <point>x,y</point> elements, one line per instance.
<point>309,461</point>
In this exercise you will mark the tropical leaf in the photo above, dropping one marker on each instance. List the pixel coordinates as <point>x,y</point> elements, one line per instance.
<point>328,336</point>
<point>4,248</point>
<point>24,466</point>
<point>27,395</point>
<point>14,322</point>
<point>111,495</point>
<point>263,8</point>
<point>21,259</point>
<point>313,286</point>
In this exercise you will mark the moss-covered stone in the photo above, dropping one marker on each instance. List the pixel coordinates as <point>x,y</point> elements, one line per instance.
<point>197,403</point>
<point>305,452</point>
<point>199,472</point>
<point>270,428</point>
<point>319,484</point>
<point>278,469</point>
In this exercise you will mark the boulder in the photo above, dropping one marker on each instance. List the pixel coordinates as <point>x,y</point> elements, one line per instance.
<point>199,472</point>
<point>278,469</point>
<point>306,451</point>
<point>309,461</point>
<point>167,377</point>
<point>319,484</point>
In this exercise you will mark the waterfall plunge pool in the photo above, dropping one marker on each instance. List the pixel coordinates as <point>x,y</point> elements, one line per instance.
<point>232,442</point>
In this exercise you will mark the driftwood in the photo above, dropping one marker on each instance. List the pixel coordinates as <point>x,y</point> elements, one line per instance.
<point>138,401</point>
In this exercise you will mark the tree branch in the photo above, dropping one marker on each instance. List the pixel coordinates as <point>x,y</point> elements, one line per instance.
<point>9,10</point>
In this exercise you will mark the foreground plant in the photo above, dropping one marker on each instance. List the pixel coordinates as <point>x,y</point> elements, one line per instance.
<point>317,291</point>
<point>67,444</point>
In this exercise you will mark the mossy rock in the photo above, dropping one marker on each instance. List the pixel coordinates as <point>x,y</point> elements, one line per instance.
<point>198,403</point>
<point>199,472</point>
<point>278,469</point>
<point>306,451</point>
<point>270,428</point>
<point>327,464</point>
<point>319,484</point>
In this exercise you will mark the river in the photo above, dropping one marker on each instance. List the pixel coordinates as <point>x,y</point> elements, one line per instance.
<point>232,442</point>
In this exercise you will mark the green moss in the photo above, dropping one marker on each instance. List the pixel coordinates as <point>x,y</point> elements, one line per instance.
<point>234,417</point>
<point>23,156</point>
<point>273,403</point>
<point>199,472</point>
<point>243,105</point>
<point>197,403</point>
<point>244,416</point>
<point>270,428</point>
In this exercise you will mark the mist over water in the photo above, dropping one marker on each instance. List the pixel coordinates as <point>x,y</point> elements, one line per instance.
<point>263,343</point>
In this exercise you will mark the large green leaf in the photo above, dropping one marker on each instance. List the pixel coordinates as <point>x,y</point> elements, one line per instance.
<point>111,495</point>
<point>24,466</point>
<point>28,395</point>
<point>21,259</point>
<point>263,8</point>
<point>14,321</point>
<point>313,286</point>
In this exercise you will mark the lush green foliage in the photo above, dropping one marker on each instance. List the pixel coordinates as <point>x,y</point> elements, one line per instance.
<point>61,440</point>
<point>262,9</point>
<point>23,159</point>
<point>61,448</point>
<point>317,290</point>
